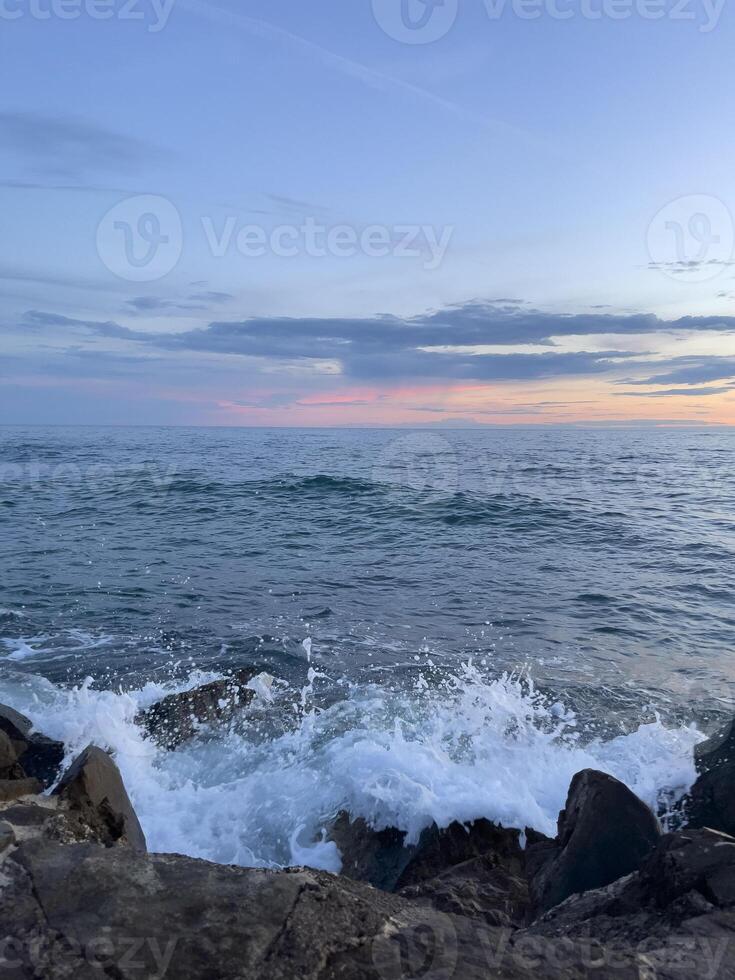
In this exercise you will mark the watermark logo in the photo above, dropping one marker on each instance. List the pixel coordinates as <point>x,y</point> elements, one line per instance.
<point>415,21</point>
<point>419,465</point>
<point>692,239</point>
<point>424,21</point>
<point>423,944</point>
<point>141,238</point>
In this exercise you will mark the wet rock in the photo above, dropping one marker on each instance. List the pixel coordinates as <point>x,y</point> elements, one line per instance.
<point>482,888</point>
<point>604,833</point>
<point>14,724</point>
<point>711,801</point>
<point>7,836</point>
<point>14,789</point>
<point>9,766</point>
<point>38,756</point>
<point>438,850</point>
<point>686,886</point>
<point>83,911</point>
<point>377,857</point>
<point>177,718</point>
<point>690,860</point>
<point>95,796</point>
<point>381,858</point>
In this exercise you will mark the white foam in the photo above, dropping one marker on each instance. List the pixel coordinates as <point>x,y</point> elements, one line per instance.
<point>474,748</point>
<point>20,649</point>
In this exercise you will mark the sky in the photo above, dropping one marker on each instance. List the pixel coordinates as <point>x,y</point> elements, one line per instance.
<point>367,212</point>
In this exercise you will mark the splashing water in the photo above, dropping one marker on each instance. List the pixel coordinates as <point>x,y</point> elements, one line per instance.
<point>262,793</point>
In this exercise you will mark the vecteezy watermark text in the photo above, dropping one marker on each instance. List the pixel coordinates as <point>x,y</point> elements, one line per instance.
<point>338,241</point>
<point>141,239</point>
<point>424,21</point>
<point>153,13</point>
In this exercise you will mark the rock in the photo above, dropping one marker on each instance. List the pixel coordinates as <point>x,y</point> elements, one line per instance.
<point>438,850</point>
<point>711,801</point>
<point>192,919</point>
<point>481,888</point>
<point>690,860</point>
<point>381,858</point>
<point>687,885</point>
<point>39,756</point>
<point>83,911</point>
<point>7,836</point>
<point>14,724</point>
<point>604,833</point>
<point>178,717</point>
<point>28,816</point>
<point>9,767</point>
<point>43,758</point>
<point>14,789</point>
<point>377,857</point>
<point>95,795</point>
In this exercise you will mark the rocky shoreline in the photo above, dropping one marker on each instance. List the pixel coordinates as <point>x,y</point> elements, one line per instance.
<point>610,896</point>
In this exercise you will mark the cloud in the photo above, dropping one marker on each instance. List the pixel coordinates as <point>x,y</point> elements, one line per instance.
<point>667,392</point>
<point>195,302</point>
<point>692,371</point>
<point>68,147</point>
<point>212,296</point>
<point>682,266</point>
<point>453,344</point>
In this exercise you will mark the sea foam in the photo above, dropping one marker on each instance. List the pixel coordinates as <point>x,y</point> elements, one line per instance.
<point>263,794</point>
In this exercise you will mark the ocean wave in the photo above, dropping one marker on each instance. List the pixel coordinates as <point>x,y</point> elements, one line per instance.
<point>263,793</point>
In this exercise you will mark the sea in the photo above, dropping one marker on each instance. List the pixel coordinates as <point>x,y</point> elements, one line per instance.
<point>456,620</point>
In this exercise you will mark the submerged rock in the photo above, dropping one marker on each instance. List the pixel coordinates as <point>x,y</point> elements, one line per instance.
<point>711,801</point>
<point>604,833</point>
<point>95,795</point>
<point>37,755</point>
<point>178,717</point>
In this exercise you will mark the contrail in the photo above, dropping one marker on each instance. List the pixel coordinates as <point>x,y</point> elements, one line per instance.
<point>355,69</point>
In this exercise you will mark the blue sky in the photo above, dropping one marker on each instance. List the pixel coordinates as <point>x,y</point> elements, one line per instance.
<point>319,181</point>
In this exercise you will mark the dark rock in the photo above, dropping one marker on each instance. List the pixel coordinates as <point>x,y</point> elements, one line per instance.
<point>9,766</point>
<point>25,815</point>
<point>95,795</point>
<point>39,756</point>
<point>377,857</point>
<point>381,858</point>
<point>14,789</point>
<point>718,750</point>
<point>711,801</point>
<point>686,885</point>
<point>482,888</point>
<point>7,836</point>
<point>604,833</point>
<point>690,860</point>
<point>14,724</point>
<point>178,717</point>
<point>83,911</point>
<point>438,849</point>
<point>192,919</point>
<point>43,758</point>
